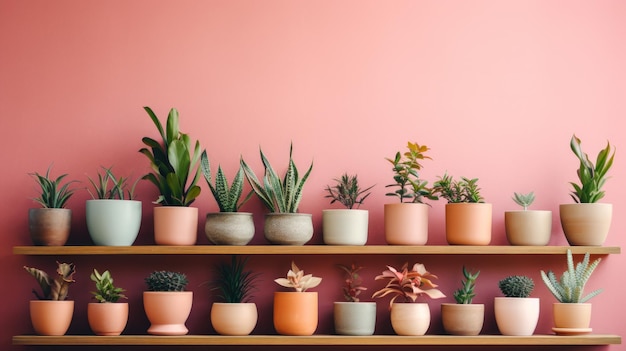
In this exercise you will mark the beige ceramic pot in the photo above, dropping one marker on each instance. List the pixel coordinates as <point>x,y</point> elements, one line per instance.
<point>354,318</point>
<point>107,318</point>
<point>167,311</point>
<point>295,313</point>
<point>586,224</point>
<point>49,226</point>
<point>234,318</point>
<point>468,223</point>
<point>288,228</point>
<point>406,223</point>
<point>175,225</point>
<point>410,318</point>
<point>530,227</point>
<point>516,316</point>
<point>462,319</point>
<point>345,226</point>
<point>52,318</point>
<point>229,228</point>
<point>571,315</point>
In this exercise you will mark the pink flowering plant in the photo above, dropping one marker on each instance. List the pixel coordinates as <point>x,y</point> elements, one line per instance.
<point>297,280</point>
<point>408,284</point>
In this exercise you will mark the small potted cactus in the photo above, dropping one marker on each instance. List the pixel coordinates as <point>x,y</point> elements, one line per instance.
<point>516,313</point>
<point>107,316</point>
<point>464,317</point>
<point>166,303</point>
<point>353,316</point>
<point>527,227</point>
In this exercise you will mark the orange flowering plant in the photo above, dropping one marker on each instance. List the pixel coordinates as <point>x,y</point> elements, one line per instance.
<point>408,284</point>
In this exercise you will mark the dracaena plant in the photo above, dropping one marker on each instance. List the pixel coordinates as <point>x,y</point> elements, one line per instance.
<point>408,284</point>
<point>353,284</point>
<point>524,200</point>
<point>464,190</point>
<point>297,280</point>
<point>118,188</point>
<point>233,282</point>
<point>347,191</point>
<point>174,161</point>
<point>55,289</point>
<point>227,197</point>
<point>465,294</point>
<point>410,188</point>
<point>592,177</point>
<point>53,194</point>
<point>105,290</point>
<point>570,288</point>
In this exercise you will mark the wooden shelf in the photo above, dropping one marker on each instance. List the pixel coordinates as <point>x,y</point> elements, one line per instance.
<point>322,340</point>
<point>312,250</point>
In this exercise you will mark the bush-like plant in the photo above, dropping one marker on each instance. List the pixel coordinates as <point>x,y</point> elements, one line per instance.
<point>569,289</point>
<point>227,197</point>
<point>405,168</point>
<point>53,289</point>
<point>592,177</point>
<point>233,282</point>
<point>297,280</point>
<point>347,191</point>
<point>516,286</point>
<point>105,290</point>
<point>458,191</point>
<point>53,194</point>
<point>173,162</point>
<point>278,195</point>
<point>465,294</point>
<point>118,189</point>
<point>524,200</point>
<point>353,283</point>
<point>408,284</point>
<point>166,281</point>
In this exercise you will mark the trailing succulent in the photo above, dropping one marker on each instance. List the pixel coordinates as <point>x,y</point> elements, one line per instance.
<point>465,294</point>
<point>53,194</point>
<point>569,289</point>
<point>405,168</point>
<point>166,281</point>
<point>516,286</point>
<point>592,177</point>
<point>227,197</point>
<point>105,290</point>
<point>233,282</point>
<point>53,289</point>
<point>458,191</point>
<point>348,192</point>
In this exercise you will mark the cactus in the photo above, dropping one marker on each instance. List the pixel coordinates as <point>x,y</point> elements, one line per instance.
<point>465,294</point>
<point>516,286</point>
<point>53,289</point>
<point>570,288</point>
<point>166,281</point>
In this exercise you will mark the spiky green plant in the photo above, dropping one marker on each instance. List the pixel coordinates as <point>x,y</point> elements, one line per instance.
<point>458,191</point>
<point>524,200</point>
<point>516,286</point>
<point>233,282</point>
<point>53,194</point>
<point>53,289</point>
<point>465,294</point>
<point>118,189</point>
<point>166,281</point>
<point>405,167</point>
<point>173,162</point>
<point>347,191</point>
<point>592,177</point>
<point>105,290</point>
<point>227,197</point>
<point>569,289</point>
<point>278,195</point>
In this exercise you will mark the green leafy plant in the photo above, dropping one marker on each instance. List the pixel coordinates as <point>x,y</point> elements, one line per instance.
<point>53,194</point>
<point>105,290</point>
<point>408,284</point>
<point>516,286</point>
<point>53,289</point>
<point>524,200</point>
<point>569,289</point>
<point>465,294</point>
<point>233,282</point>
<point>405,168</point>
<point>227,197</point>
<point>347,191</point>
<point>592,177</point>
<point>278,195</point>
<point>173,162</point>
<point>118,189</point>
<point>353,286</point>
<point>297,280</point>
<point>166,281</point>
<point>458,191</point>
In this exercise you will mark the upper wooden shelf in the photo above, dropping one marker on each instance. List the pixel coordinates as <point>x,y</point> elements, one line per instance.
<point>312,250</point>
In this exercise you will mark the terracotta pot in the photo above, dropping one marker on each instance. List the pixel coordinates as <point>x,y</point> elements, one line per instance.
<point>406,223</point>
<point>49,226</point>
<point>462,319</point>
<point>516,316</point>
<point>229,228</point>
<point>586,224</point>
<point>354,318</point>
<point>234,318</point>
<point>529,228</point>
<point>468,223</point>
<point>175,225</point>
<point>345,226</point>
<point>113,222</point>
<point>410,318</point>
<point>107,318</point>
<point>167,311</point>
<point>51,318</point>
<point>288,228</point>
<point>295,313</point>
<point>571,315</point>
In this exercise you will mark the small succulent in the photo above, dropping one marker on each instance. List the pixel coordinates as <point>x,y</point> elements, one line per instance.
<point>465,294</point>
<point>105,290</point>
<point>233,282</point>
<point>348,192</point>
<point>52,194</point>
<point>408,284</point>
<point>516,286</point>
<point>297,280</point>
<point>569,289</point>
<point>166,281</point>
<point>54,289</point>
<point>524,200</point>
<point>458,191</point>
<point>117,191</point>
<point>353,282</point>
<point>592,177</point>
<point>405,168</point>
<point>227,197</point>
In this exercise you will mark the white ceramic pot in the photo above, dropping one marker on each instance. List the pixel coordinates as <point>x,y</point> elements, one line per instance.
<point>345,226</point>
<point>516,316</point>
<point>113,222</point>
<point>354,318</point>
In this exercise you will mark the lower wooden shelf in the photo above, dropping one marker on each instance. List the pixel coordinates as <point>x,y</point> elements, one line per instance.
<point>321,340</point>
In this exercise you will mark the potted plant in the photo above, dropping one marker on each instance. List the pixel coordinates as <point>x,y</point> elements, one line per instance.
<point>572,312</point>
<point>406,222</point>
<point>408,318</point>
<point>51,313</point>
<point>295,312</point>
<point>464,317</point>
<point>353,316</point>
<point>234,314</point>
<point>468,217</point>
<point>113,216</point>
<point>587,222</point>
<point>347,226</point>
<point>50,225</point>
<point>228,226</point>
<point>107,316</point>
<point>283,225</point>
<point>516,313</point>
<point>166,303</point>
<point>174,161</point>
<point>527,227</point>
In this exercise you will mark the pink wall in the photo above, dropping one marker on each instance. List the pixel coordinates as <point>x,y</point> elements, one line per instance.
<point>495,88</point>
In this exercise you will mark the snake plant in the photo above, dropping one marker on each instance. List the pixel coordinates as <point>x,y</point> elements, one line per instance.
<point>227,197</point>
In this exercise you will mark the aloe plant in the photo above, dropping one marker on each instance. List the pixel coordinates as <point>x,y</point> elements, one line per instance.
<point>173,162</point>
<point>465,190</point>
<point>118,186</point>
<point>55,289</point>
<point>465,294</point>
<point>524,200</point>
<point>53,193</point>
<point>233,282</point>
<point>347,191</point>
<point>105,290</point>
<point>227,197</point>
<point>569,289</point>
<point>405,167</point>
<point>592,177</point>
<point>278,195</point>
